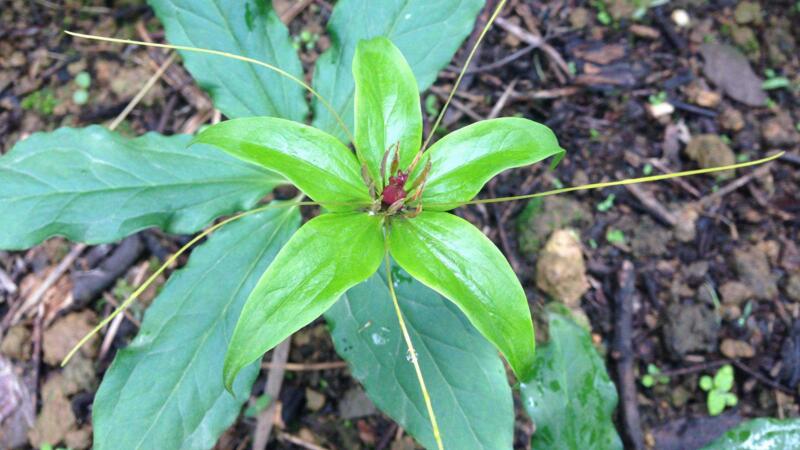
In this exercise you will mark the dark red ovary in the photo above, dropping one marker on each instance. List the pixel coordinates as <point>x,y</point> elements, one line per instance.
<point>394,191</point>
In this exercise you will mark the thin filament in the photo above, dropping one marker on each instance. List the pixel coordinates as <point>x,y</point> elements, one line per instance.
<point>665,176</point>
<point>231,56</point>
<point>412,354</point>
<point>461,74</point>
<point>135,294</point>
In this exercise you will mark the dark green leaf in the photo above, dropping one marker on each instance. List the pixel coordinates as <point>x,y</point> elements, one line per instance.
<point>316,162</point>
<point>165,390</point>
<point>93,185</point>
<point>463,161</point>
<point>570,397</point>
<point>243,27</point>
<point>427,32</point>
<point>387,109</point>
<point>760,434</point>
<point>454,258</point>
<point>462,371</point>
<point>328,255</point>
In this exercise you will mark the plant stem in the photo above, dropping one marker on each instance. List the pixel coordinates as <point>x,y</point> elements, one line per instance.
<point>413,354</point>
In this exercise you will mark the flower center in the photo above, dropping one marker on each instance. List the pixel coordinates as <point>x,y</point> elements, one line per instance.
<point>395,190</point>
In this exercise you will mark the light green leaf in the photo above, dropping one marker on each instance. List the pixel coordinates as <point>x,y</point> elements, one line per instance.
<point>328,255</point>
<point>316,162</point>
<point>463,161</point>
<point>387,108</point>
<point>462,371</point>
<point>570,397</point>
<point>427,32</point>
<point>723,379</point>
<point>716,402</point>
<point>242,27</point>
<point>454,258</point>
<point>93,185</point>
<point>760,434</point>
<point>165,389</point>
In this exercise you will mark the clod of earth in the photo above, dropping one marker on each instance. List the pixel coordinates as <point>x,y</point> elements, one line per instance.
<point>753,268</point>
<point>542,216</point>
<point>65,333</point>
<point>690,328</point>
<point>710,151</point>
<point>560,270</point>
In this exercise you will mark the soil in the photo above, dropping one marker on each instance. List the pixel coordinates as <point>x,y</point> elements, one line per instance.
<point>715,258</point>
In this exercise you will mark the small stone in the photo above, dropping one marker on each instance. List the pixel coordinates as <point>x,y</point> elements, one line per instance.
<point>659,110</point>
<point>356,404</point>
<point>779,131</point>
<point>735,293</point>
<point>314,400</point>
<point>731,119</point>
<point>747,12</point>
<point>560,270</point>
<point>690,328</point>
<point>649,238</point>
<point>730,312</point>
<point>793,288</point>
<point>17,343</point>
<point>710,151</point>
<point>746,39</point>
<point>696,271</point>
<point>685,230</point>
<point>679,396</point>
<point>781,45</point>
<point>681,18</point>
<point>621,9</point>
<point>735,349</point>
<point>579,17</point>
<point>753,268</point>
<point>707,99</point>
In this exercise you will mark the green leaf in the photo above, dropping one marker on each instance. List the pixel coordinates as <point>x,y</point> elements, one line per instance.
<point>715,402</point>
<point>93,185</point>
<point>463,161</point>
<point>328,255</point>
<point>723,380</point>
<point>706,383</point>
<point>243,27</point>
<point>387,108</point>
<point>316,162</point>
<point>454,258</point>
<point>427,32</point>
<point>165,389</point>
<point>462,371</point>
<point>570,397</point>
<point>760,434</point>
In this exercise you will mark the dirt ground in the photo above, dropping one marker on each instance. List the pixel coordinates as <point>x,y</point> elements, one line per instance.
<point>715,273</point>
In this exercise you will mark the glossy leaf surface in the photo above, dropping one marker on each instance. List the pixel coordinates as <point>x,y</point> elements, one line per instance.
<point>165,389</point>
<point>314,161</point>
<point>570,397</point>
<point>243,27</point>
<point>463,372</point>
<point>464,160</point>
<point>760,434</point>
<point>327,256</point>
<point>94,185</point>
<point>454,258</point>
<point>427,32</point>
<point>387,108</point>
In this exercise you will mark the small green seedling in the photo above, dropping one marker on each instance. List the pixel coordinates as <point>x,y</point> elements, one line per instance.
<point>654,376</point>
<point>606,204</point>
<point>614,236</point>
<point>719,390</point>
<point>83,80</point>
<point>773,81</point>
<point>657,99</point>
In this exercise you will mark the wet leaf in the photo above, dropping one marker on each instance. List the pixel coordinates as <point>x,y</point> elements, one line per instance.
<point>463,371</point>
<point>450,255</point>
<point>570,396</point>
<point>165,389</point>
<point>314,161</point>
<point>328,255</point>
<point>760,434</point>
<point>94,185</point>
<point>242,27</point>
<point>427,32</point>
